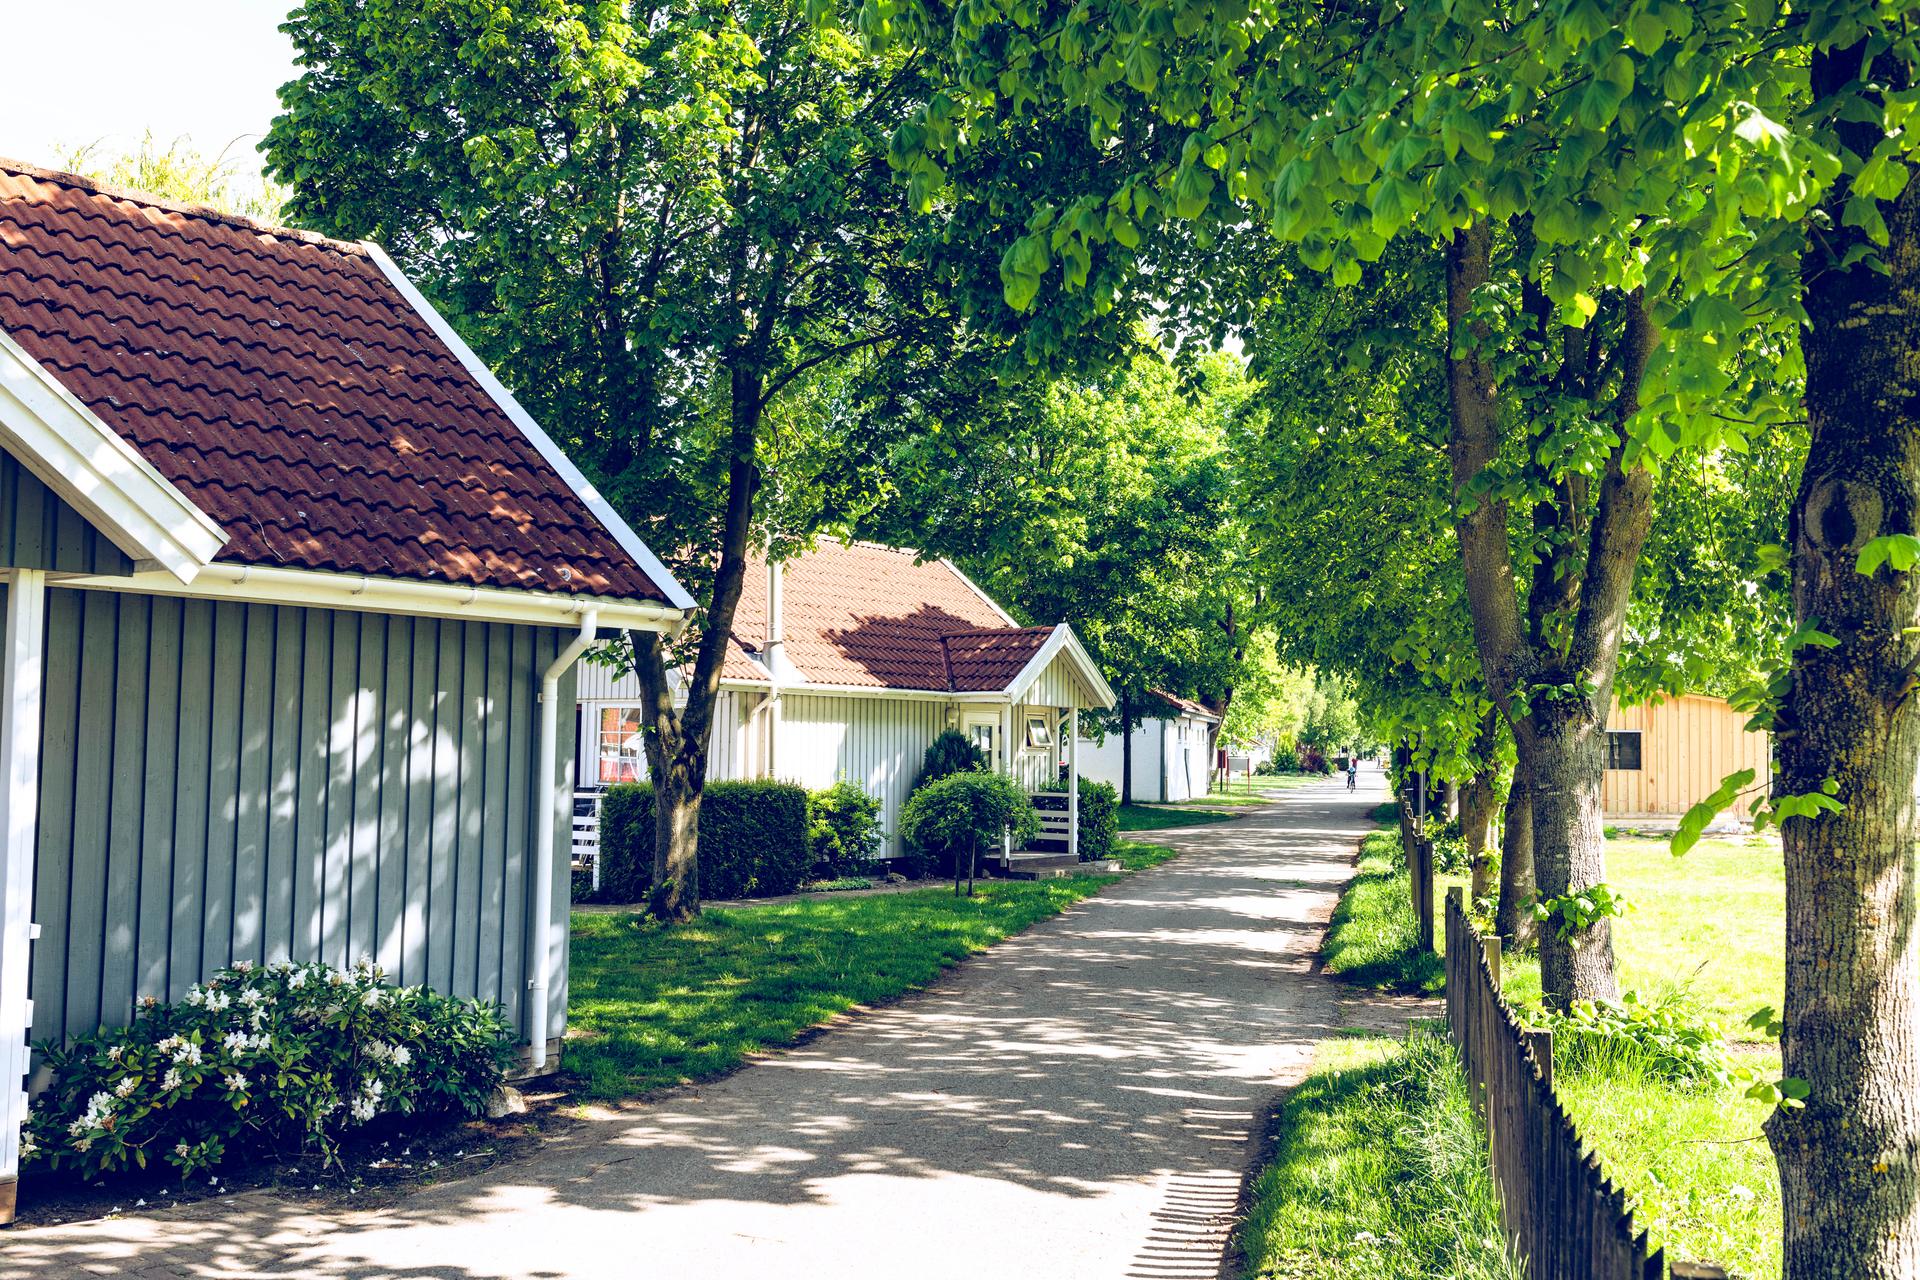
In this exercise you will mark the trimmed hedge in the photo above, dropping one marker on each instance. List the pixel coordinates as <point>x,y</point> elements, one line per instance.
<point>1099,818</point>
<point>754,840</point>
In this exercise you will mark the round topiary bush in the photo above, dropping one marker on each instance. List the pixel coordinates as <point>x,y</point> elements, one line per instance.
<point>963,815</point>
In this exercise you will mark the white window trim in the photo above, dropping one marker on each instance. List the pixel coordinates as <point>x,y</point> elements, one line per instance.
<point>96,472</point>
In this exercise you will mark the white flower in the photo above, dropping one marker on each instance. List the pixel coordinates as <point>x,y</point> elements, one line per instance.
<point>236,1083</point>
<point>149,1002</point>
<point>243,966</point>
<point>182,1150</point>
<point>402,1055</point>
<point>27,1145</point>
<point>126,1087</point>
<point>187,1051</point>
<point>335,978</point>
<point>363,1110</point>
<point>297,980</point>
<point>82,1144</point>
<point>170,1044</point>
<point>218,1001</point>
<point>114,1052</point>
<point>252,998</point>
<point>372,998</point>
<point>195,996</point>
<point>171,1080</point>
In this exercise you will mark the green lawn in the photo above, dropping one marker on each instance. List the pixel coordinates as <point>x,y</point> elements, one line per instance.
<point>654,1006</point>
<point>1378,1170</point>
<point>1159,817</point>
<point>1371,939</point>
<point>1709,926</point>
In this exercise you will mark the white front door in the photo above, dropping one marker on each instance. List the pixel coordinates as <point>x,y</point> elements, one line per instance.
<point>982,729</point>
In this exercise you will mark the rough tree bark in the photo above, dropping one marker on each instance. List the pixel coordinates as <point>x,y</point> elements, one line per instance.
<point>1850,1159</point>
<point>1479,801</point>
<point>1513,916</point>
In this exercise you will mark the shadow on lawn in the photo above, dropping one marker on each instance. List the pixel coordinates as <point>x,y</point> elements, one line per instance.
<point>1080,1101</point>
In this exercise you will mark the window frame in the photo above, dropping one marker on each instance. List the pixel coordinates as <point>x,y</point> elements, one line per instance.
<point>1616,739</point>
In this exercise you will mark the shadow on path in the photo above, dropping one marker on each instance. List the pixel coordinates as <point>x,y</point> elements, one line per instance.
<point>1080,1101</point>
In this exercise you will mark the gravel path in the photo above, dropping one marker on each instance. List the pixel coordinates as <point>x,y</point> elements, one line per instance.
<point>1079,1102</point>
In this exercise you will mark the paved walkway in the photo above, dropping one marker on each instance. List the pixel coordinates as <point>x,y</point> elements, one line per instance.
<point>1079,1102</point>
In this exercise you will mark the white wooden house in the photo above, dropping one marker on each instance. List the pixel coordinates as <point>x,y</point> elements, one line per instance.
<point>846,662</point>
<point>1172,751</point>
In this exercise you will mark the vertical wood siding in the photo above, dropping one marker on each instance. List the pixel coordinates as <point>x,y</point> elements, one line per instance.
<point>225,781</point>
<point>875,742</point>
<point>39,531</point>
<point>1687,746</point>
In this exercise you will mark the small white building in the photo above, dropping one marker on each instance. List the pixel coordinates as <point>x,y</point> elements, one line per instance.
<point>1172,751</point>
<point>846,662</point>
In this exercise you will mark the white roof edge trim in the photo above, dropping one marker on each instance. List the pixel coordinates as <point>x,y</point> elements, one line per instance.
<point>622,532</point>
<point>1064,640</point>
<point>975,587</point>
<point>314,589</point>
<point>94,470</point>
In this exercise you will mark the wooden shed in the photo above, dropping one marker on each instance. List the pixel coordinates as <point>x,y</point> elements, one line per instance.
<point>293,590</point>
<point>1665,757</point>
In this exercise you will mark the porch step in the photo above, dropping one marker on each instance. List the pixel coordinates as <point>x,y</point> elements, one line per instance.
<point>1038,864</point>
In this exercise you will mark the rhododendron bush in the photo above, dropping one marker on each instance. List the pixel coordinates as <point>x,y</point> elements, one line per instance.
<point>283,1057</point>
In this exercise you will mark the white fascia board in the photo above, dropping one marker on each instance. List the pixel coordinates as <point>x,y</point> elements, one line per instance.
<point>96,472</point>
<point>974,587</point>
<point>555,456</point>
<point>872,691</point>
<point>312,589</point>
<point>1064,641</point>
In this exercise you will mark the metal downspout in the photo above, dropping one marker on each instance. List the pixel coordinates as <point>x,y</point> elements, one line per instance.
<point>537,985</point>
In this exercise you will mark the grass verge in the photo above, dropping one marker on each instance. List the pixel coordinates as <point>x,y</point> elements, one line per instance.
<point>1154,817</point>
<point>1707,929</point>
<point>1378,1169</point>
<point>1371,940</point>
<point>656,1005</point>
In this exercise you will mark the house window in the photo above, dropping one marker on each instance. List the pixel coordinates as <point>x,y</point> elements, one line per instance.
<point>1038,733</point>
<point>1623,749</point>
<point>981,733</point>
<point>623,757</point>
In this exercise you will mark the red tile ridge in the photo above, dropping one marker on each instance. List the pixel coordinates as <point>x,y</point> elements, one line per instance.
<point>205,212</point>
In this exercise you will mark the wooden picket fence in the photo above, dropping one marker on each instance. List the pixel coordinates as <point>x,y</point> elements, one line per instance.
<point>1562,1216</point>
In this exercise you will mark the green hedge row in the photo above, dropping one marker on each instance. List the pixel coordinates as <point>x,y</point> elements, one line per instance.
<point>754,840</point>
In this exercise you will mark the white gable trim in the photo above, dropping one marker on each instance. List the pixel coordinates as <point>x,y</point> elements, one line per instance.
<point>96,472</point>
<point>974,587</point>
<point>555,456</point>
<point>1063,641</point>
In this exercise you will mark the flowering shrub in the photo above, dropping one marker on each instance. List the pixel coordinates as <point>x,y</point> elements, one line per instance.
<point>282,1057</point>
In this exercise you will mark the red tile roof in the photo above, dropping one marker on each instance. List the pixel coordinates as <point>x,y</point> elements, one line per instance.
<point>1175,705</point>
<point>290,390</point>
<point>978,661</point>
<point>870,616</point>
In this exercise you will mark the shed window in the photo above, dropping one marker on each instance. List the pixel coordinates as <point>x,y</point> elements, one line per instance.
<point>1623,749</point>
<point>623,757</point>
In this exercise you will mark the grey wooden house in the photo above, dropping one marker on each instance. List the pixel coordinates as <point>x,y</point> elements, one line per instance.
<point>293,591</point>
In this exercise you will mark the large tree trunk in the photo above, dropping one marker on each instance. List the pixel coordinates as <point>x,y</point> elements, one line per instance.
<point>1565,736</point>
<point>677,741</point>
<point>1850,1159</point>
<point>1513,917</point>
<point>1568,760</point>
<point>1479,801</point>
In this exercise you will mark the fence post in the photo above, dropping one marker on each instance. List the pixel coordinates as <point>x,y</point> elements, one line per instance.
<point>1540,1043</point>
